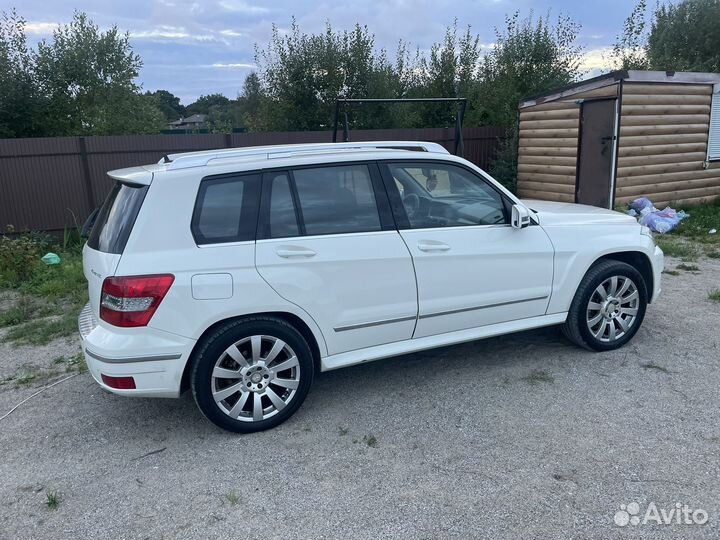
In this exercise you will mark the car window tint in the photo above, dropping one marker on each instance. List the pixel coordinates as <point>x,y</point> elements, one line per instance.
<point>283,220</point>
<point>446,195</point>
<point>116,218</point>
<point>338,199</point>
<point>226,209</point>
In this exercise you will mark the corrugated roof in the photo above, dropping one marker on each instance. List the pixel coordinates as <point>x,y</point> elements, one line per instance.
<point>673,77</point>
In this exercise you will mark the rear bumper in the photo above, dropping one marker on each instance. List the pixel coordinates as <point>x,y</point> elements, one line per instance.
<point>658,265</point>
<point>153,358</point>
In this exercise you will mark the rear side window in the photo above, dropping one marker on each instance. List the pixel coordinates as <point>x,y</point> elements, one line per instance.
<point>283,218</point>
<point>338,199</point>
<point>226,209</point>
<point>116,218</point>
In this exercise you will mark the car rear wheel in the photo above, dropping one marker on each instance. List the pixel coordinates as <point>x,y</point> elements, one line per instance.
<point>252,374</point>
<point>608,308</point>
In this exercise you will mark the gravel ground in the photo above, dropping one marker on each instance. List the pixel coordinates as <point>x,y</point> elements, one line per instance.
<point>519,436</point>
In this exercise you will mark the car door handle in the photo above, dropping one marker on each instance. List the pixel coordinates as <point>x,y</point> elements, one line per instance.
<point>430,245</point>
<point>290,252</point>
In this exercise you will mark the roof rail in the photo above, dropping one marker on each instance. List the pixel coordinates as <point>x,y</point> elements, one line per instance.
<point>203,157</point>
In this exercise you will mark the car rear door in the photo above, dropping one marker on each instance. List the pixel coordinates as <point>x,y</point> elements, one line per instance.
<point>473,268</point>
<point>327,242</point>
<point>113,224</point>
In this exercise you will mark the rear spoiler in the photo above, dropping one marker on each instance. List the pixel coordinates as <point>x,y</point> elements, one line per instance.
<point>138,176</point>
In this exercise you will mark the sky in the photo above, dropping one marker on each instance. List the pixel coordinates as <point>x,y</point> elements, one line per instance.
<point>200,47</point>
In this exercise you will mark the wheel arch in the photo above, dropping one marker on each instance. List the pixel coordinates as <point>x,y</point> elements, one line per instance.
<point>638,260</point>
<point>290,318</point>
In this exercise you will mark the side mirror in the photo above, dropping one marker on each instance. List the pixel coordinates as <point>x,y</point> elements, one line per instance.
<point>520,217</point>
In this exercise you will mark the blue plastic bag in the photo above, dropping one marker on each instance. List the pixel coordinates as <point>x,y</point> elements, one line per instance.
<point>643,203</point>
<point>660,221</point>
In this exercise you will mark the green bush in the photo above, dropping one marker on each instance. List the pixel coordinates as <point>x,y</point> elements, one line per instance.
<point>20,256</point>
<point>504,167</point>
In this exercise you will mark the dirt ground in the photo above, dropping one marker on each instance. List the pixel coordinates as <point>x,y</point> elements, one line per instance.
<point>522,436</point>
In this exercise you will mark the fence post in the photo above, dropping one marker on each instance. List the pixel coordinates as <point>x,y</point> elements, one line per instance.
<point>89,193</point>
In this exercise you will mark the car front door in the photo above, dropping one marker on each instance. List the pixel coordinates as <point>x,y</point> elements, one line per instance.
<point>327,242</point>
<point>472,268</point>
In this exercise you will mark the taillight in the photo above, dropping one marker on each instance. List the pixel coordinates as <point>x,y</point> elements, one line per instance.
<point>132,300</point>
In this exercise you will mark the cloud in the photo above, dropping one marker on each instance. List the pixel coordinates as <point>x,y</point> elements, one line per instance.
<point>240,66</point>
<point>41,28</point>
<point>597,59</point>
<point>171,33</point>
<point>231,33</point>
<point>238,6</point>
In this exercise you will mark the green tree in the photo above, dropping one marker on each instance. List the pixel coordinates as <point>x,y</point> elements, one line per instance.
<point>450,71</point>
<point>251,105</point>
<point>219,109</point>
<point>88,79</point>
<point>685,36</point>
<point>630,49</point>
<point>529,57</point>
<point>168,103</point>
<point>20,104</point>
<point>204,104</point>
<point>303,74</point>
<point>682,36</point>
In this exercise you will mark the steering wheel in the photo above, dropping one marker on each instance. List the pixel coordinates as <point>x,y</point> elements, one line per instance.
<point>411,202</point>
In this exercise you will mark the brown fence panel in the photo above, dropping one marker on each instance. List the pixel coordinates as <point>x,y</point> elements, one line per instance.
<point>53,183</point>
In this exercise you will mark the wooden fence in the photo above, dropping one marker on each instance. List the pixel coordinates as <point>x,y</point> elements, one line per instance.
<point>53,183</point>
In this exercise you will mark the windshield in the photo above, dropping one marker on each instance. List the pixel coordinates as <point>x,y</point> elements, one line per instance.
<point>116,218</point>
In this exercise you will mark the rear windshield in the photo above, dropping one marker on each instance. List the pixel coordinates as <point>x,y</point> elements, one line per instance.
<point>116,218</point>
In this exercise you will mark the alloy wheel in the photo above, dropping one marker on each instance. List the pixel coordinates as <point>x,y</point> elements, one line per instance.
<point>255,378</point>
<point>613,308</point>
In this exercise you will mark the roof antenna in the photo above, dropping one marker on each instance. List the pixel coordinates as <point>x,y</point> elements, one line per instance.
<point>166,159</point>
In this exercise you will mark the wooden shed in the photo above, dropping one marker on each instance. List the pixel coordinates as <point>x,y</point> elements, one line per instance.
<point>608,140</point>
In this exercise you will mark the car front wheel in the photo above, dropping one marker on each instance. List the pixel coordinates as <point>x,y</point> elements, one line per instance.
<point>252,374</point>
<point>608,308</point>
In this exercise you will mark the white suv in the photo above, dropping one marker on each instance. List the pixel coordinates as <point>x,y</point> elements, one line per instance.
<point>241,273</point>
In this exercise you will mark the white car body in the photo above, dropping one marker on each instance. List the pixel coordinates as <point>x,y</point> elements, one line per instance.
<point>360,296</point>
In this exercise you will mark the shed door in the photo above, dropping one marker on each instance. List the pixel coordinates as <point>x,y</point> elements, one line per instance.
<point>596,159</point>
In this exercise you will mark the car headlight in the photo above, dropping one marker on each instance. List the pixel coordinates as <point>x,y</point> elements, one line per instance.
<point>646,231</point>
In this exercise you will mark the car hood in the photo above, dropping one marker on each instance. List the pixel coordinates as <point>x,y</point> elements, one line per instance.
<point>560,213</point>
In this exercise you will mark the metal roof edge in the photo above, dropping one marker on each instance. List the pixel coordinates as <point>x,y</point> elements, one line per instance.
<point>634,76</point>
<point>600,81</point>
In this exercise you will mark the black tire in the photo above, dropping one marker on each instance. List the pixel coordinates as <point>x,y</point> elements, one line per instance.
<point>213,349</point>
<point>576,327</point>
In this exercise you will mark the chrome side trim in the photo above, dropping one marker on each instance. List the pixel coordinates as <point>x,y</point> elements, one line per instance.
<point>374,323</point>
<point>132,359</point>
<point>463,310</point>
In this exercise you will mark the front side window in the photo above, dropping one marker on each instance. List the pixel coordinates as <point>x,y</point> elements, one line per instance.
<point>226,209</point>
<point>337,199</point>
<point>446,195</point>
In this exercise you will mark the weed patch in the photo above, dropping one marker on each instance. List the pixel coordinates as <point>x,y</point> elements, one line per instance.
<point>370,440</point>
<point>538,377</point>
<point>52,500</point>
